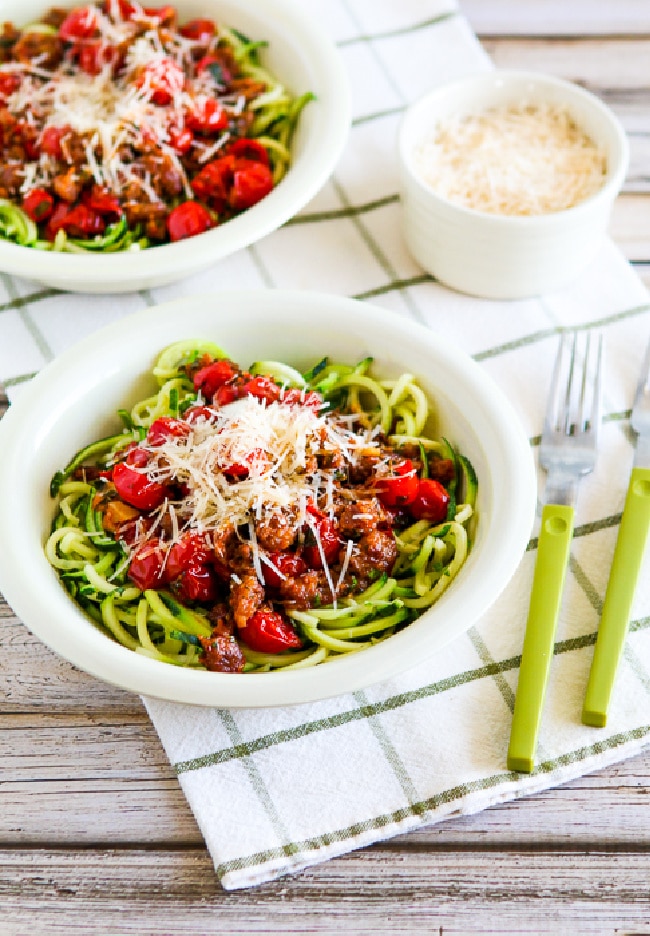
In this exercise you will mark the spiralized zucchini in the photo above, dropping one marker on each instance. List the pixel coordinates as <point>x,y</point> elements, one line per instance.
<point>93,565</point>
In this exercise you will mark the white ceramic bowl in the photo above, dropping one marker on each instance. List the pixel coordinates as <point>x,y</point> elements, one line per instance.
<point>304,59</point>
<point>497,256</point>
<point>84,387</point>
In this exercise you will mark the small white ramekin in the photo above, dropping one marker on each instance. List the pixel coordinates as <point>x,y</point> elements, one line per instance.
<point>498,256</point>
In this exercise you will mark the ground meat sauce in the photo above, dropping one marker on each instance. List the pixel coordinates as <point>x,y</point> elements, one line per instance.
<point>115,113</point>
<point>256,563</point>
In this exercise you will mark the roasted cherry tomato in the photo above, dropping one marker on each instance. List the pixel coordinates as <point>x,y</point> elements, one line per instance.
<point>80,23</point>
<point>164,78</point>
<point>251,182</point>
<point>180,139</point>
<point>330,540</point>
<point>208,379</point>
<point>147,565</point>
<point>187,220</point>
<point>199,414</point>
<point>102,201</point>
<point>198,583</point>
<point>262,388</point>
<point>285,565</point>
<point>198,30</point>
<point>269,632</point>
<point>167,427</point>
<point>38,205</point>
<point>50,141</point>
<point>257,458</point>
<point>9,82</point>
<point>189,551</point>
<point>400,488</point>
<point>133,486</point>
<point>225,395</point>
<point>430,502</point>
<point>249,149</point>
<point>212,183</point>
<point>206,116</point>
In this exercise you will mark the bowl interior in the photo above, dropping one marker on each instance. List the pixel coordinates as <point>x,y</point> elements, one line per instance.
<point>85,386</point>
<point>304,59</point>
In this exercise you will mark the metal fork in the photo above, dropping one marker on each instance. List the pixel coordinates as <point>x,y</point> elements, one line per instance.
<point>567,452</point>
<point>626,564</point>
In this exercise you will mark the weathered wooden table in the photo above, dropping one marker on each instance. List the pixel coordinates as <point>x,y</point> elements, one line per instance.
<point>96,836</point>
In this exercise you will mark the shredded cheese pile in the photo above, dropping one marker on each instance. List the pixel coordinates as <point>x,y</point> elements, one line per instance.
<point>275,442</point>
<point>512,160</point>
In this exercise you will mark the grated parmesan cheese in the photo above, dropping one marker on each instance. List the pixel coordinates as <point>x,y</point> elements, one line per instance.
<point>513,160</point>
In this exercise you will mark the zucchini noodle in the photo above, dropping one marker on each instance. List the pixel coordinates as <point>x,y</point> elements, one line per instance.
<point>386,419</point>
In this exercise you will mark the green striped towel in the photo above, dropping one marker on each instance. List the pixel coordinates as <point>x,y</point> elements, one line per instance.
<point>277,790</point>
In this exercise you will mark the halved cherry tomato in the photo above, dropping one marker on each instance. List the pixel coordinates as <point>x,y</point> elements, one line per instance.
<point>256,458</point>
<point>431,501</point>
<point>9,82</point>
<point>286,564</point>
<point>206,116</point>
<point>147,566</point>
<point>400,488</point>
<point>164,78</point>
<point>226,394</point>
<point>55,223</point>
<point>209,378</point>
<point>80,23</point>
<point>133,486</point>
<point>249,149</point>
<point>189,551</point>
<point>180,139</point>
<point>167,427</point>
<point>262,388</point>
<point>269,632</point>
<point>50,141</point>
<point>198,30</point>
<point>327,535</point>
<point>198,584</point>
<point>212,183</point>
<point>252,181</point>
<point>93,54</point>
<point>199,414</point>
<point>102,201</point>
<point>82,221</point>
<point>187,220</point>
<point>38,205</point>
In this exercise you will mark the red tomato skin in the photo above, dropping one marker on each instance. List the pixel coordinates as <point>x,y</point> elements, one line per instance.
<point>210,378</point>
<point>269,632</point>
<point>82,221</point>
<point>431,501</point>
<point>225,395</point>
<point>207,116</point>
<point>252,181</point>
<point>262,388</point>
<point>50,141</point>
<point>102,201</point>
<point>147,566</point>
<point>198,30</point>
<point>199,414</point>
<point>329,539</point>
<point>197,583</point>
<point>189,551</point>
<point>181,139</point>
<point>9,83</point>
<point>38,205</point>
<point>252,150</point>
<point>290,564</point>
<point>212,183</point>
<point>80,23</point>
<point>187,220</point>
<point>166,427</point>
<point>399,489</point>
<point>134,487</point>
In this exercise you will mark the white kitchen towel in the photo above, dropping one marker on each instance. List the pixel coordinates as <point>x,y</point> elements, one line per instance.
<point>277,790</point>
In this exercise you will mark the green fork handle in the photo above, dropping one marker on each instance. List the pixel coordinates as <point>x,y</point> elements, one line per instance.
<point>612,631</point>
<point>546,596</point>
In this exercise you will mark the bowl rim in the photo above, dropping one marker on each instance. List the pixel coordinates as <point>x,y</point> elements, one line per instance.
<point>283,202</point>
<point>54,620</point>
<point>616,172</point>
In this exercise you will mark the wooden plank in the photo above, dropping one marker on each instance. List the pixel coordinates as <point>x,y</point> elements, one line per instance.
<point>404,890</point>
<point>558,18</point>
